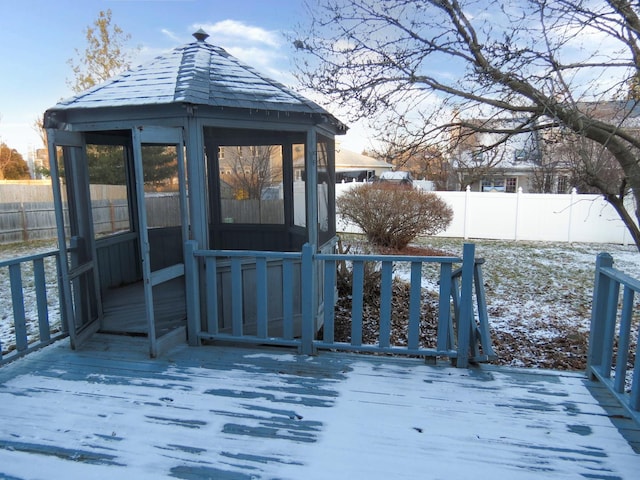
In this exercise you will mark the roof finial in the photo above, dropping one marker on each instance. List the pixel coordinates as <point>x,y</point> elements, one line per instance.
<point>201,35</point>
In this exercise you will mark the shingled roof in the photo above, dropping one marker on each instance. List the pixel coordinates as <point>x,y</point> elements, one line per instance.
<point>196,73</point>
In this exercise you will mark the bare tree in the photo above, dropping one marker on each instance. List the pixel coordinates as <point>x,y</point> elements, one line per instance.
<point>251,169</point>
<point>544,63</point>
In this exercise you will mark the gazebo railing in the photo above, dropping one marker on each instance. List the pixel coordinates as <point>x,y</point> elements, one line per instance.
<point>612,317</point>
<point>462,335</point>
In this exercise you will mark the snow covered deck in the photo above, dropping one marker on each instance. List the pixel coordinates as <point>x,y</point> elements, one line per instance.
<point>108,411</point>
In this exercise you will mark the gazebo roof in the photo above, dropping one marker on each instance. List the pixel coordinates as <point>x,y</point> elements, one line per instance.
<point>197,73</point>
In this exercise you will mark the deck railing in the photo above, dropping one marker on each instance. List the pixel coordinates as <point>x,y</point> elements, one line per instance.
<point>613,314</point>
<point>462,335</point>
<point>32,327</point>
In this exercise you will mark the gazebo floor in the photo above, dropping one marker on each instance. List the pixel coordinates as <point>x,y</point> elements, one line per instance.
<point>228,412</point>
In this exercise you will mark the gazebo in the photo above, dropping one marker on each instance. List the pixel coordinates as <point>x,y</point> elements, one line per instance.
<point>195,148</point>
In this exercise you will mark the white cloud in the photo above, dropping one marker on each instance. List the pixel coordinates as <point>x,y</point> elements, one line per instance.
<point>239,32</point>
<point>171,35</point>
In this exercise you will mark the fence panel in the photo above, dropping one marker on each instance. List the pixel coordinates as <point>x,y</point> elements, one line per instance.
<point>490,215</point>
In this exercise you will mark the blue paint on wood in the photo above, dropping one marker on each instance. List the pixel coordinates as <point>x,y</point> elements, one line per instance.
<point>190,472</point>
<point>466,305</point>
<point>211,293</point>
<point>308,294</point>
<point>236,296</point>
<point>41,300</point>
<point>624,339</point>
<point>606,294</point>
<point>17,298</point>
<point>330,268</point>
<point>386,294</point>
<point>357,300</point>
<point>287,298</point>
<point>415,299</point>
<point>261,296</point>
<point>76,455</point>
<point>445,324</point>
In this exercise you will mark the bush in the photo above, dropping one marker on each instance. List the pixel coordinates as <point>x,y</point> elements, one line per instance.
<point>393,215</point>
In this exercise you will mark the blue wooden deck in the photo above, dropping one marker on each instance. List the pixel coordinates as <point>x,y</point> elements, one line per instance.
<point>108,411</point>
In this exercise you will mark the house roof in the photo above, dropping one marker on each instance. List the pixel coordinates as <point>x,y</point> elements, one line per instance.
<point>348,159</point>
<point>201,74</point>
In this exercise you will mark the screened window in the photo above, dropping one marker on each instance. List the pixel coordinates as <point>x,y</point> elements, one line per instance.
<point>251,184</point>
<point>110,206</point>
<point>299,186</point>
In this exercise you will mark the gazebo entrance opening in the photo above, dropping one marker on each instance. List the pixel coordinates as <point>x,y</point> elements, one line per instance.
<point>126,200</point>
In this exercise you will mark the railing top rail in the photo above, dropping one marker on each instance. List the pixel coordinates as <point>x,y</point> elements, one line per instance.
<point>247,254</point>
<point>328,256</point>
<point>621,277</point>
<point>28,258</point>
<point>386,258</point>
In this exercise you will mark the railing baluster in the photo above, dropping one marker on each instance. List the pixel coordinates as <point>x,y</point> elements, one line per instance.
<point>357,292</point>
<point>329,301</point>
<point>17,297</point>
<point>41,300</point>
<point>211,292</point>
<point>634,396</point>
<point>192,293</point>
<point>236,297</point>
<point>623,340</point>
<point>466,305</point>
<point>598,311</point>
<point>483,318</point>
<point>261,297</point>
<point>415,299</point>
<point>609,329</point>
<point>386,296</point>
<point>287,298</point>
<point>445,325</point>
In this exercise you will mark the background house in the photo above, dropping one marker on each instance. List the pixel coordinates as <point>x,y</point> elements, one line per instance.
<point>494,162</point>
<point>487,157</point>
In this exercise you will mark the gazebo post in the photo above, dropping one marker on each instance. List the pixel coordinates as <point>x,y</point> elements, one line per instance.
<point>199,231</point>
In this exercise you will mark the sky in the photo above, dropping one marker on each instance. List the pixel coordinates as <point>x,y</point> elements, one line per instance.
<point>39,37</point>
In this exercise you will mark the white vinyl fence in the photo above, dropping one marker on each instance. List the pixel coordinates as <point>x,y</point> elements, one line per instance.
<point>526,216</point>
<point>26,213</point>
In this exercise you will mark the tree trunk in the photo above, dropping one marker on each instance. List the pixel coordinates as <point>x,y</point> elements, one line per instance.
<point>618,204</point>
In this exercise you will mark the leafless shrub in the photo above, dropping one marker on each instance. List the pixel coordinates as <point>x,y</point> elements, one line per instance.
<point>392,215</point>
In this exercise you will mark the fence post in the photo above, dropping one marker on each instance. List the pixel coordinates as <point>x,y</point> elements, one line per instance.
<point>193,292</point>
<point>516,233</point>
<point>598,312</point>
<point>465,227</point>
<point>574,192</point>
<point>308,291</point>
<point>23,220</point>
<point>466,305</point>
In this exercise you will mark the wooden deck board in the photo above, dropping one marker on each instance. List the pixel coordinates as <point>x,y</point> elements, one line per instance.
<point>124,308</point>
<point>231,412</point>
